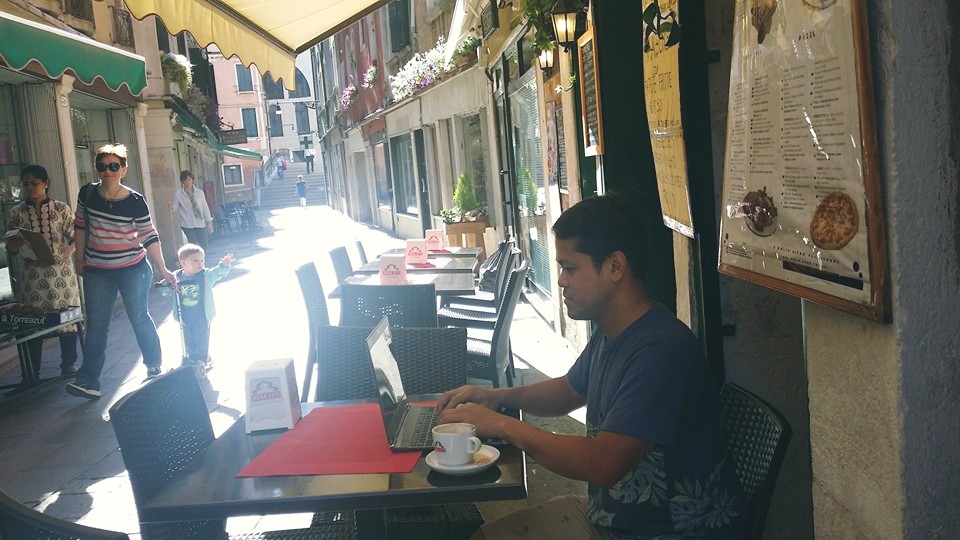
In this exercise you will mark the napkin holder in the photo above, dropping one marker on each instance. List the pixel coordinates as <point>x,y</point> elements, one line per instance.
<point>393,270</point>
<point>434,238</point>
<point>272,399</point>
<point>416,251</point>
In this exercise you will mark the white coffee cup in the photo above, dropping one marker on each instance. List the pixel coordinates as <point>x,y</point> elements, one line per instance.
<point>455,444</point>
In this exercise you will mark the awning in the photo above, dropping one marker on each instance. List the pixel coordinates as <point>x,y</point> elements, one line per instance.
<point>268,34</point>
<point>238,153</point>
<point>57,51</point>
<point>465,18</point>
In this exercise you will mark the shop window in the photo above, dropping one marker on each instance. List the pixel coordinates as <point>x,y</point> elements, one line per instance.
<point>383,178</point>
<point>244,79</point>
<point>475,154</point>
<point>232,175</point>
<point>401,154</point>
<point>250,122</point>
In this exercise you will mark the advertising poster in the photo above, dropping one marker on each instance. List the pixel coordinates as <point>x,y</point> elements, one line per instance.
<point>801,205</point>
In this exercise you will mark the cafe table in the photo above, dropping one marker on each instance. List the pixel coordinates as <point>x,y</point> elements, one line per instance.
<point>18,335</point>
<point>443,265</point>
<point>448,284</point>
<point>451,251</point>
<point>209,489</point>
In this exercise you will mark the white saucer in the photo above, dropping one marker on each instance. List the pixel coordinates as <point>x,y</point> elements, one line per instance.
<point>482,460</point>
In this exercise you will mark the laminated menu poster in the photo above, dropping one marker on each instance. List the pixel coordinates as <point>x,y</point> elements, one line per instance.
<point>801,206</point>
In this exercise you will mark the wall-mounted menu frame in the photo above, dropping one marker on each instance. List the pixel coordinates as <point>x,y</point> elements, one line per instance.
<point>802,209</point>
<point>489,19</point>
<point>590,95</point>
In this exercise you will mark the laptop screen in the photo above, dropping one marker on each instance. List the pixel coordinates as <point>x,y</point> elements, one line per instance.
<point>386,373</point>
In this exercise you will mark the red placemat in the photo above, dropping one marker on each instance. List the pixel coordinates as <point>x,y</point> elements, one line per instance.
<point>333,440</point>
<point>422,265</point>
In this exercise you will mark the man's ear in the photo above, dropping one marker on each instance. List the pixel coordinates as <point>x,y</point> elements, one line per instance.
<point>618,265</point>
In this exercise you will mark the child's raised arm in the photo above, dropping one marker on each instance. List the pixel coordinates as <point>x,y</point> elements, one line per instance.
<point>227,260</point>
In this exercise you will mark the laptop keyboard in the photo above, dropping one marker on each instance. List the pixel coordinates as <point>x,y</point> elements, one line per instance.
<point>422,435</point>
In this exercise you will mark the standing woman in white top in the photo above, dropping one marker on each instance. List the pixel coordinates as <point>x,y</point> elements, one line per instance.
<point>190,206</point>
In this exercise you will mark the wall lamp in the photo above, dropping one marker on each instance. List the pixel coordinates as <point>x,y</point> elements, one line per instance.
<point>568,24</point>
<point>545,60</point>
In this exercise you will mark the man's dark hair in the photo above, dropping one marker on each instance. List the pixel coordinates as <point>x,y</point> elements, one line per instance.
<point>604,224</point>
<point>36,171</point>
<point>184,175</point>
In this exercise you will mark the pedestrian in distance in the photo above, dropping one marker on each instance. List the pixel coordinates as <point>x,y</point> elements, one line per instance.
<point>193,214</point>
<point>652,457</point>
<point>281,166</point>
<point>302,191</point>
<point>308,156</point>
<point>115,237</point>
<point>193,300</point>
<point>50,286</point>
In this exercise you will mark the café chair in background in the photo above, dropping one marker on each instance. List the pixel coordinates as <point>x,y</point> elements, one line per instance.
<point>431,360</point>
<point>22,523</point>
<point>317,316</point>
<point>342,266</point>
<point>480,310</point>
<point>412,305</point>
<point>508,255</point>
<point>493,359</point>
<point>362,253</point>
<point>161,427</point>
<point>757,436</point>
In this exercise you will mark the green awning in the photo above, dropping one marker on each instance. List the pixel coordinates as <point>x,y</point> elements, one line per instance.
<point>238,153</point>
<point>58,51</point>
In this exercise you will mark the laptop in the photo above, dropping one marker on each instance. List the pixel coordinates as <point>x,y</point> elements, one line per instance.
<point>408,426</point>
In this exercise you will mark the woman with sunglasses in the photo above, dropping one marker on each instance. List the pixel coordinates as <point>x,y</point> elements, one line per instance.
<point>115,236</point>
<point>49,286</point>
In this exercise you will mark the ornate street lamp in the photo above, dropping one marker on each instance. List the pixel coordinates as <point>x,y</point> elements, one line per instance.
<point>565,24</point>
<point>545,60</point>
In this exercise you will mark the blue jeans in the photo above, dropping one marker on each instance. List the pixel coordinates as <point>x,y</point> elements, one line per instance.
<point>100,289</point>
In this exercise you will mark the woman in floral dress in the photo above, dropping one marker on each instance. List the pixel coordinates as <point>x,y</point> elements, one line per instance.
<point>54,286</point>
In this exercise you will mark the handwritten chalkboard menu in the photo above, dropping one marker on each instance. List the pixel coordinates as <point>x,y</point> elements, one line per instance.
<point>801,207</point>
<point>590,95</point>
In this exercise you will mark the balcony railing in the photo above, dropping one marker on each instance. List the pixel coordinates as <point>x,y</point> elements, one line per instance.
<point>80,9</point>
<point>123,28</point>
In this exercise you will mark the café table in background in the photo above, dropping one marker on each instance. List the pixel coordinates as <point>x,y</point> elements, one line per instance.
<point>448,284</point>
<point>437,266</point>
<point>452,251</point>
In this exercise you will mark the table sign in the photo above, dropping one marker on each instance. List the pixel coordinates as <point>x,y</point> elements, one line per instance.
<point>801,208</point>
<point>434,238</point>
<point>416,251</point>
<point>272,399</point>
<point>393,269</point>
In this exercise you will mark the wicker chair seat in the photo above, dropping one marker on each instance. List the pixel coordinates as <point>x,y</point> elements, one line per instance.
<point>17,521</point>
<point>466,317</point>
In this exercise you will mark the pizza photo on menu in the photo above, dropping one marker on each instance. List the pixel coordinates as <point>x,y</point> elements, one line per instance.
<point>835,222</point>
<point>759,212</point>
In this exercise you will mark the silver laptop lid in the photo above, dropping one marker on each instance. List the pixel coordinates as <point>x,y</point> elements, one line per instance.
<point>386,373</point>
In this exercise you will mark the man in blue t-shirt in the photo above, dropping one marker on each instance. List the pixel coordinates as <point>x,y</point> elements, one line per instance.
<point>652,457</point>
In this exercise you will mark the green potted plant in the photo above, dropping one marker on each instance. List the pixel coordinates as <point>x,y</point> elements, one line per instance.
<point>467,217</point>
<point>465,198</point>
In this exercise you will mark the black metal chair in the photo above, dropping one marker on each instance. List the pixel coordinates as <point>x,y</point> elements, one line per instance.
<point>317,316</point>
<point>493,359</point>
<point>161,427</point>
<point>362,253</point>
<point>481,309</point>
<point>413,305</point>
<point>18,522</point>
<point>431,360</point>
<point>489,300</point>
<point>757,437</point>
<point>342,266</point>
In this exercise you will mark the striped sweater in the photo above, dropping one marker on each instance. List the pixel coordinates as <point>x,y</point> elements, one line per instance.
<point>119,230</point>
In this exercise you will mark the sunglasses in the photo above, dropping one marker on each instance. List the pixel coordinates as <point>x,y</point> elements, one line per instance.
<point>114,167</point>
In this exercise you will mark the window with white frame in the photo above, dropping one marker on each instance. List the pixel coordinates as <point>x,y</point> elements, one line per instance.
<point>232,175</point>
<point>244,79</point>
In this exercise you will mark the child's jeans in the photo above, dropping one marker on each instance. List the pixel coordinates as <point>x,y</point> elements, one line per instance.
<point>196,337</point>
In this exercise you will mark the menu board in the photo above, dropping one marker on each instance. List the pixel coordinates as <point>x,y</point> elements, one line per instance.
<point>801,208</point>
<point>590,95</point>
<point>661,89</point>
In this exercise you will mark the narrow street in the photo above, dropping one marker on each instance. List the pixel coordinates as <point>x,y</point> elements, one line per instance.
<point>59,453</point>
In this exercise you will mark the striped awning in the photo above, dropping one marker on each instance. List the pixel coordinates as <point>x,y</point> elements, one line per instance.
<point>268,34</point>
<point>58,52</point>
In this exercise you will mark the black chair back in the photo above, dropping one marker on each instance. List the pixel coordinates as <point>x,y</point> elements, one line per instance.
<point>161,427</point>
<point>431,360</point>
<point>342,266</point>
<point>757,436</point>
<point>317,316</point>
<point>500,352</point>
<point>407,305</point>
<point>17,522</point>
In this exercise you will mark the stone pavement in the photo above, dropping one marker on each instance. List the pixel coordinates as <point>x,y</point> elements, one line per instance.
<point>58,452</point>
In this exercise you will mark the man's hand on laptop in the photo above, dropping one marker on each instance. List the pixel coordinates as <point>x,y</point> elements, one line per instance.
<point>452,399</point>
<point>489,423</point>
